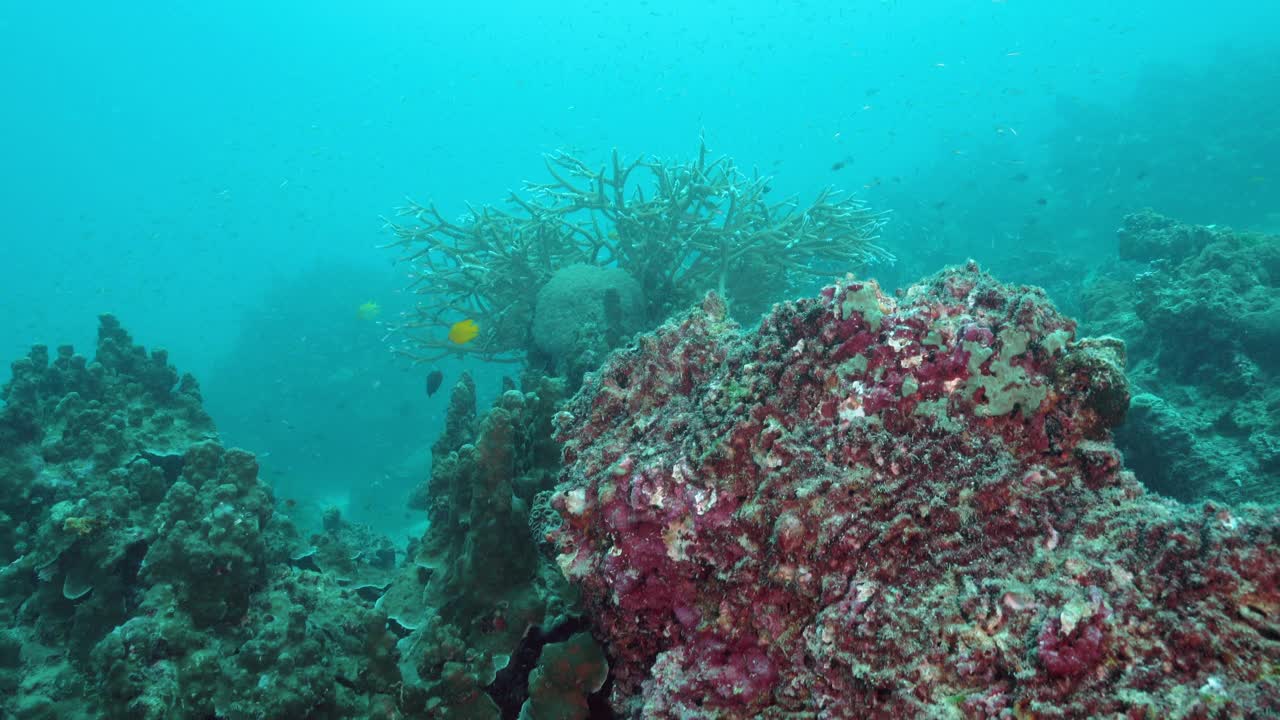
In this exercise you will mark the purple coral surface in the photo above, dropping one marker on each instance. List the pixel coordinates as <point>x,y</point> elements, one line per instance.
<point>900,507</point>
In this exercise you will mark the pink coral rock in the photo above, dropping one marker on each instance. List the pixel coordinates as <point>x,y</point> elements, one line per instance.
<point>900,507</point>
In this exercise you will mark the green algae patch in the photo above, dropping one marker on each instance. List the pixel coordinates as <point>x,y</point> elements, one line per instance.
<point>909,386</point>
<point>866,302</point>
<point>937,409</point>
<point>856,365</point>
<point>1004,386</point>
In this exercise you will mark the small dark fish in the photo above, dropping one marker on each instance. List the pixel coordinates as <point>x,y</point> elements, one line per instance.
<point>838,165</point>
<point>1020,177</point>
<point>1042,201</point>
<point>434,378</point>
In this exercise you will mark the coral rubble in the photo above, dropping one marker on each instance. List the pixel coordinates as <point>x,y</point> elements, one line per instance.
<point>910,507</point>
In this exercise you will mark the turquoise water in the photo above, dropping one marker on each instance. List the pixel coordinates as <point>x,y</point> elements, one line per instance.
<point>940,520</point>
<point>214,173</point>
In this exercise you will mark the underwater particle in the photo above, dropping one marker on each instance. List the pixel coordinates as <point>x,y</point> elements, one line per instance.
<point>368,311</point>
<point>463,332</point>
<point>434,379</point>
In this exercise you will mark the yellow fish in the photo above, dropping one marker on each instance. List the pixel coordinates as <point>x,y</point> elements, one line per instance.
<point>464,332</point>
<point>368,311</point>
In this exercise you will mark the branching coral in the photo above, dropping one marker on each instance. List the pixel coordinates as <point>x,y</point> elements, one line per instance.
<point>699,225</point>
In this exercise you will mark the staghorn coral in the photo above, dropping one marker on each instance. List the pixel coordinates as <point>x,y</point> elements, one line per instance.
<point>880,508</point>
<point>697,225</point>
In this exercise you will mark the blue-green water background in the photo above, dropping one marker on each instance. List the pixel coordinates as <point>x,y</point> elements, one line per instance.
<point>214,173</point>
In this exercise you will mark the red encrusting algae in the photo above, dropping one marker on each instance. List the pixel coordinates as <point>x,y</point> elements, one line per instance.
<point>910,507</point>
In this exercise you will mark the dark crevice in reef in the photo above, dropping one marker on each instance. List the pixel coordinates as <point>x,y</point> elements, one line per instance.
<point>128,568</point>
<point>171,465</point>
<point>510,688</point>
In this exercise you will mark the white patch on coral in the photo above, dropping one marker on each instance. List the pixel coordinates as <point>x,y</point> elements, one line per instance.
<point>659,496</point>
<point>703,500</point>
<point>681,472</point>
<point>1072,614</point>
<point>573,564</point>
<point>575,501</point>
<point>851,408</point>
<point>677,536</point>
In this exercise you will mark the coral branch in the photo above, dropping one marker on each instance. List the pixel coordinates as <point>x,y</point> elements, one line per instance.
<point>702,225</point>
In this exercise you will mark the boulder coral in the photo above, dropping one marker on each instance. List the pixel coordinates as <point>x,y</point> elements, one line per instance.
<point>884,507</point>
<point>582,313</point>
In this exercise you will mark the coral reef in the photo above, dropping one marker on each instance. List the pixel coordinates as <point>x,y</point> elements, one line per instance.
<point>146,573</point>
<point>123,402</point>
<point>144,570</point>
<point>879,508</point>
<point>475,592</point>
<point>699,225</point>
<point>871,506</point>
<point>1202,321</point>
